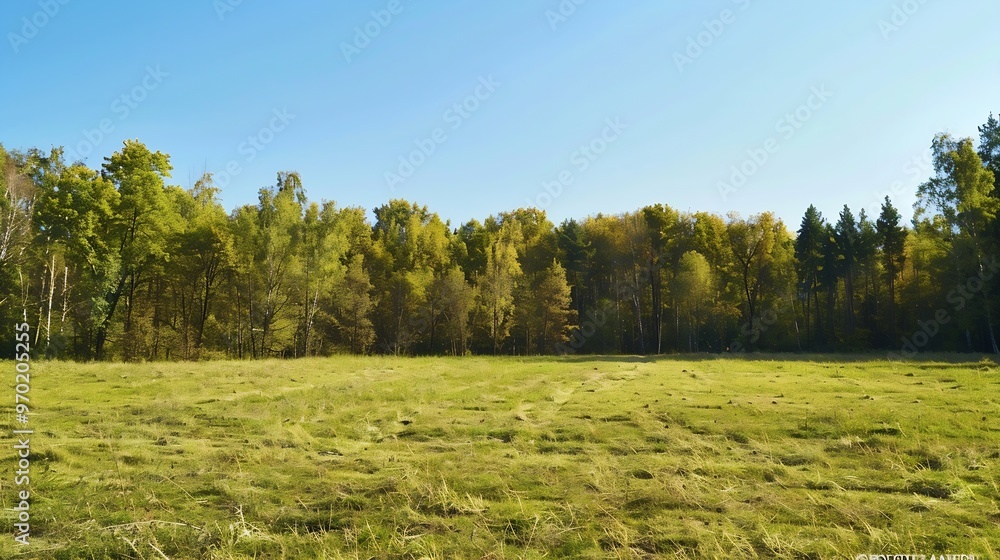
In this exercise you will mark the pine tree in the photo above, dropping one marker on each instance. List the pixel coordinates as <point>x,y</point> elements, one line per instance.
<point>554,313</point>
<point>809,258</point>
<point>892,241</point>
<point>846,237</point>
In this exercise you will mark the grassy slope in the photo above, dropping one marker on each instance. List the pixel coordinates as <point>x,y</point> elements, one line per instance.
<point>511,458</point>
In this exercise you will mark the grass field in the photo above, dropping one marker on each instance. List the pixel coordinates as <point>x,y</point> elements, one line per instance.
<point>698,457</point>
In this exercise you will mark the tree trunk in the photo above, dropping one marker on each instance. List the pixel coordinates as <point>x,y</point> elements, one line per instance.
<point>102,330</point>
<point>65,298</point>
<point>52,294</point>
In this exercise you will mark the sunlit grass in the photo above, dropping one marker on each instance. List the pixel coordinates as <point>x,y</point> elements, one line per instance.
<point>511,458</point>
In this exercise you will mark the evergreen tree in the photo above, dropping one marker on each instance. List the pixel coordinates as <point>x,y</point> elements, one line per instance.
<point>553,314</point>
<point>846,236</point>
<point>809,246</point>
<point>892,241</point>
<point>867,260</point>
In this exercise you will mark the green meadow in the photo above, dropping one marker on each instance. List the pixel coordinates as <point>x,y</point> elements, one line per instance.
<point>490,458</point>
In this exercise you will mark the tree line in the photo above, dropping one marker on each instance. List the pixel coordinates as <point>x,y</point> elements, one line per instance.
<point>117,263</point>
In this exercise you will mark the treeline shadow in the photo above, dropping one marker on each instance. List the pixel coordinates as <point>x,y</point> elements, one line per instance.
<point>946,357</point>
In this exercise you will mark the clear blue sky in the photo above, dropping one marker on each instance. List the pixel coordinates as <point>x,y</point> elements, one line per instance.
<point>556,83</point>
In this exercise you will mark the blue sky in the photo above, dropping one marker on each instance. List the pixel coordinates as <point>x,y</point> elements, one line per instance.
<point>629,103</point>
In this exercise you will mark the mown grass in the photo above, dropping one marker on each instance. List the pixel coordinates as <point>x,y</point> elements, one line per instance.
<point>622,457</point>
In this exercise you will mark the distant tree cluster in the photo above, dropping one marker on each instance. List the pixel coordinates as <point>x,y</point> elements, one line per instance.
<point>118,264</point>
